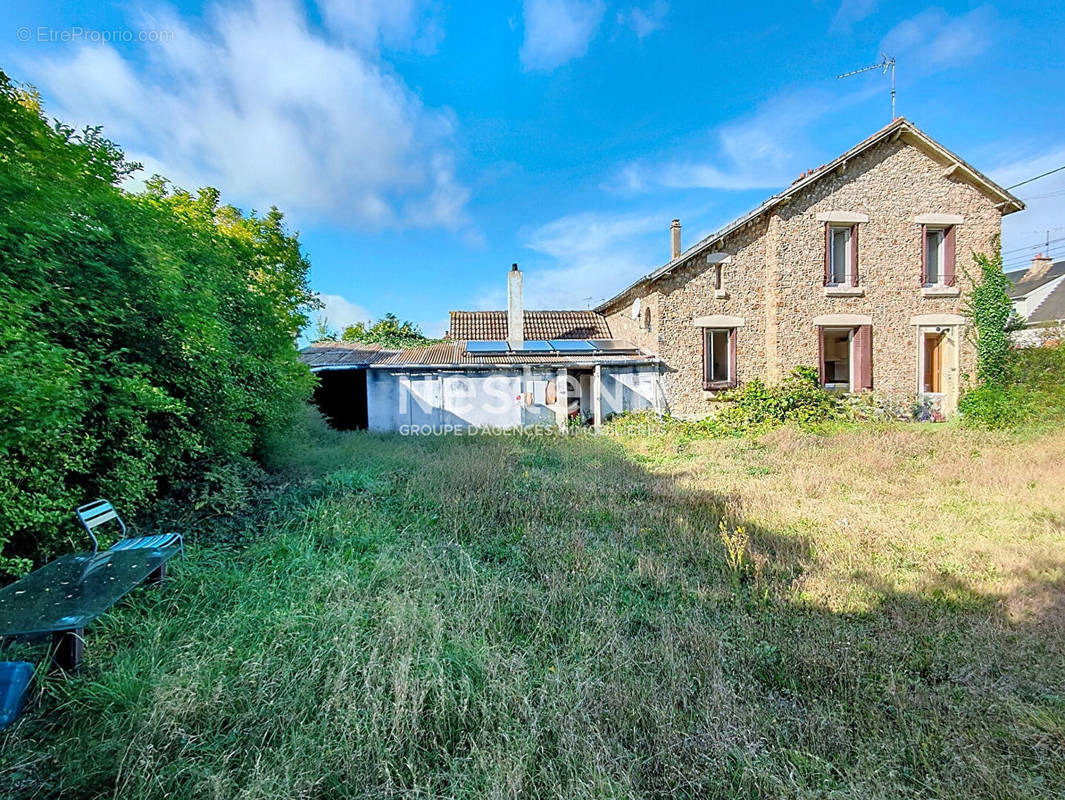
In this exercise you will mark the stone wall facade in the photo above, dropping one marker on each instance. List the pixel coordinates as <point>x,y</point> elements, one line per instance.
<point>775,281</point>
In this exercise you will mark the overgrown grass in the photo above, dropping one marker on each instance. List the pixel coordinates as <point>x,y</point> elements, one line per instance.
<point>546,617</point>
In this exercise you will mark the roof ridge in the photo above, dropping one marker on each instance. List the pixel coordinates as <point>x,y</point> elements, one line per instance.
<point>898,126</point>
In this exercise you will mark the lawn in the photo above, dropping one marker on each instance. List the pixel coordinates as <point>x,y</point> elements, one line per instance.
<point>538,617</point>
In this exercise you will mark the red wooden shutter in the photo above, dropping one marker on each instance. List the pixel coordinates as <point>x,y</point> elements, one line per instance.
<point>821,355</point>
<point>863,357</point>
<point>924,254</point>
<point>704,332</point>
<point>828,253</point>
<point>948,256</point>
<point>732,379</point>
<point>854,255</point>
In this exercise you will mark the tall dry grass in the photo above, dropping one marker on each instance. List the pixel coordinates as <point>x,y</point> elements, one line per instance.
<point>531,617</point>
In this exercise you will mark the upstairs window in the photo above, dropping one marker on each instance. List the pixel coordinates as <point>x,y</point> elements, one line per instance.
<point>718,285</point>
<point>841,255</point>
<point>937,256</point>
<point>719,358</point>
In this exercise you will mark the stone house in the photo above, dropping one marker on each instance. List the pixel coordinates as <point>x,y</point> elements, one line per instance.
<point>858,269</point>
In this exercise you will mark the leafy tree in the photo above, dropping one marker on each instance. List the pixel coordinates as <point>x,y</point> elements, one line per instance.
<point>388,332</point>
<point>146,339</point>
<point>323,331</point>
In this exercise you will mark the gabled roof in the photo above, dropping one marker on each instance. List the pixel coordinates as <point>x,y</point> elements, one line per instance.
<point>492,325</point>
<point>1020,287</point>
<point>1052,309</point>
<point>900,127</point>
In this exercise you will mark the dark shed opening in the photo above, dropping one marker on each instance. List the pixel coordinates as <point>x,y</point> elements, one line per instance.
<point>341,397</point>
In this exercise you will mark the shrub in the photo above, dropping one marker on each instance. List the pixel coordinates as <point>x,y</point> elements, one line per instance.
<point>991,407</point>
<point>798,399</point>
<point>146,340</point>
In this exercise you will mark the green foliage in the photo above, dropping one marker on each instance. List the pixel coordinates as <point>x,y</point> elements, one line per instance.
<point>1034,392</point>
<point>323,331</point>
<point>990,310</point>
<point>388,332</point>
<point>992,407</point>
<point>798,399</point>
<point>145,339</point>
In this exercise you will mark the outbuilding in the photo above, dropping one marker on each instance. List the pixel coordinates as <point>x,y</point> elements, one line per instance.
<point>488,374</point>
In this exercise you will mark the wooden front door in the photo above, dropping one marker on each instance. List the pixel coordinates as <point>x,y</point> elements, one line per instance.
<point>933,362</point>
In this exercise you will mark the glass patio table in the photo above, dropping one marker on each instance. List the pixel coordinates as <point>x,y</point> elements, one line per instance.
<point>65,595</point>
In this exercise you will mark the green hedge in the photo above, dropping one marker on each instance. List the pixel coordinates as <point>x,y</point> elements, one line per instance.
<point>146,339</point>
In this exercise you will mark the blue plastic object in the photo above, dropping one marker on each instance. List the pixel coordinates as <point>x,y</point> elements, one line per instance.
<point>15,677</point>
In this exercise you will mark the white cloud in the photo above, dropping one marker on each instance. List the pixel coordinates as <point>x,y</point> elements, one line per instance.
<point>557,31</point>
<point>340,312</point>
<point>272,112</point>
<point>645,21</point>
<point>763,150</point>
<point>933,39</point>
<point>388,23</point>
<point>594,254</point>
<point>850,12</point>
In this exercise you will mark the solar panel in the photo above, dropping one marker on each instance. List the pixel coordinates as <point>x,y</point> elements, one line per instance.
<point>613,345</point>
<point>486,347</point>
<point>572,345</point>
<point>535,346</point>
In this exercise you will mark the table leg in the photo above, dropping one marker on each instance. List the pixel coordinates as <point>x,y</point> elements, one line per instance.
<point>158,575</point>
<point>67,648</point>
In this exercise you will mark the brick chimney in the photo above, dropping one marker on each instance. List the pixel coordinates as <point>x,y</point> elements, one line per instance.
<point>515,309</point>
<point>674,231</point>
<point>1040,265</point>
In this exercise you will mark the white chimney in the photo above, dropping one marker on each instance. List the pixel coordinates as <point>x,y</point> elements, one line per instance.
<point>674,230</point>
<point>515,309</point>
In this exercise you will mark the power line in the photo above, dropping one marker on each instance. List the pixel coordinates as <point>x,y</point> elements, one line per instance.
<point>1015,264</point>
<point>1037,177</point>
<point>1033,246</point>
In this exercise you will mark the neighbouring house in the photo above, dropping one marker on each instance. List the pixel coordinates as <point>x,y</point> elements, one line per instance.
<point>495,370</point>
<point>857,268</point>
<point>1038,295</point>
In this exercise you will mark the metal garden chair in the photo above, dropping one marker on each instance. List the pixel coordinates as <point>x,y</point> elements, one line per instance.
<point>96,513</point>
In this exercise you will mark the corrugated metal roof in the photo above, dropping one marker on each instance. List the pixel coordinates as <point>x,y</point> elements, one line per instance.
<point>454,353</point>
<point>326,355</point>
<point>343,354</point>
<point>492,325</point>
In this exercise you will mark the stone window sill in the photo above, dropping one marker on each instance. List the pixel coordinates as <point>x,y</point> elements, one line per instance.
<point>940,291</point>
<point>720,294</point>
<point>844,291</point>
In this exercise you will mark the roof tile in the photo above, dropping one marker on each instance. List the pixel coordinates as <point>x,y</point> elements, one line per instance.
<point>492,325</point>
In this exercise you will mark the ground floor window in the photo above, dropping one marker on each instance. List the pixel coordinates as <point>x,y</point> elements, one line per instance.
<point>836,358</point>
<point>719,358</point>
<point>846,358</point>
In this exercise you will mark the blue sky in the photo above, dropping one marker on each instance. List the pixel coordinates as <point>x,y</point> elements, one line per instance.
<point>420,147</point>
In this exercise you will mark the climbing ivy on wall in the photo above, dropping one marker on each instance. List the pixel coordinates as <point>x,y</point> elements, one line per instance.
<point>990,310</point>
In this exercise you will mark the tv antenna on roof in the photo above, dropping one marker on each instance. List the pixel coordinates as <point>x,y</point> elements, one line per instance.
<point>885,65</point>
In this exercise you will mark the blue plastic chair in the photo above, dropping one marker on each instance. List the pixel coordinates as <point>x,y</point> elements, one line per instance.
<point>98,512</point>
<point>15,677</point>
